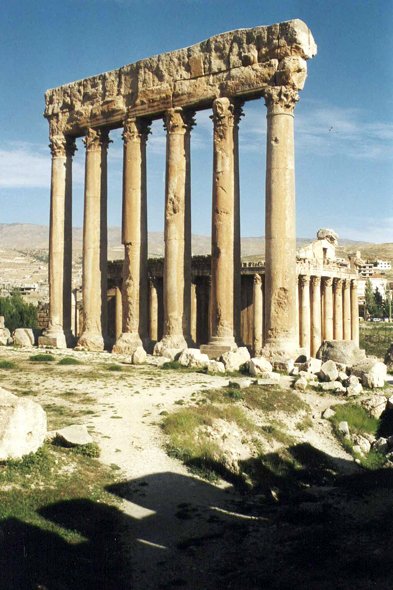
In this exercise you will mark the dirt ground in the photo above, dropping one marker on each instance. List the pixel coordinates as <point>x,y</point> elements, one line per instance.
<point>179,531</point>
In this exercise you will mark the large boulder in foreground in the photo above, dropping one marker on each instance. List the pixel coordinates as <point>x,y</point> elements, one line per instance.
<point>340,351</point>
<point>235,359</point>
<point>22,426</point>
<point>23,337</point>
<point>371,372</point>
<point>192,357</point>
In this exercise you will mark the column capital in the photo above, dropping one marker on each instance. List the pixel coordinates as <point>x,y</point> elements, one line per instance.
<point>136,129</point>
<point>96,139</point>
<point>338,283</point>
<point>316,281</point>
<point>224,113</point>
<point>280,100</point>
<point>347,283</point>
<point>257,279</point>
<point>328,281</point>
<point>62,146</point>
<point>354,283</point>
<point>304,280</point>
<point>178,120</point>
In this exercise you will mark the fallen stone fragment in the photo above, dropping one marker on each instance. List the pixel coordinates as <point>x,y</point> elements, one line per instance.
<point>340,351</point>
<point>22,426</point>
<point>371,372</point>
<point>235,359</point>
<point>312,365</point>
<point>23,337</point>
<point>283,366</point>
<point>306,375</point>
<point>354,390</point>
<point>241,383</point>
<point>295,371</point>
<point>381,445</point>
<point>362,443</point>
<point>215,367</point>
<point>139,356</point>
<point>342,376</point>
<point>375,405</point>
<point>192,357</point>
<point>328,413</point>
<point>301,384</point>
<point>328,371</point>
<point>271,375</point>
<point>259,365</point>
<point>74,435</point>
<point>344,429</point>
<point>333,386</point>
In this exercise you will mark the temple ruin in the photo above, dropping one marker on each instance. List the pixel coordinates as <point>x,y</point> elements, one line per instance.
<point>219,74</point>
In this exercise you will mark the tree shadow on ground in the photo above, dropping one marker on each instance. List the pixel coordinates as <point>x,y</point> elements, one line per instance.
<point>318,531</point>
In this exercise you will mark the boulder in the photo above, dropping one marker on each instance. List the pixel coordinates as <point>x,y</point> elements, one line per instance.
<point>259,365</point>
<point>334,386</point>
<point>74,435</point>
<point>328,413</point>
<point>295,371</point>
<point>381,445</point>
<point>23,337</point>
<point>306,375</point>
<point>354,390</point>
<point>234,359</point>
<point>22,426</point>
<point>284,366</point>
<point>328,371</point>
<point>240,383</point>
<point>342,376</point>
<point>340,351</point>
<point>192,357</point>
<point>215,367</point>
<point>312,365</point>
<point>351,381</point>
<point>371,372</point>
<point>344,429</point>
<point>5,337</point>
<point>375,405</point>
<point>139,356</point>
<point>362,442</point>
<point>301,384</point>
<point>271,375</point>
<point>2,324</point>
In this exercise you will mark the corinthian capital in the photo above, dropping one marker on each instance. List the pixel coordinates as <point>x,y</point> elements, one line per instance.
<point>178,120</point>
<point>327,281</point>
<point>280,99</point>
<point>338,284</point>
<point>96,139</point>
<point>315,282</point>
<point>304,280</point>
<point>58,146</point>
<point>223,113</point>
<point>136,129</point>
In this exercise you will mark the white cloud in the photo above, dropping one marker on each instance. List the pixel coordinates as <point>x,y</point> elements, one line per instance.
<point>377,230</point>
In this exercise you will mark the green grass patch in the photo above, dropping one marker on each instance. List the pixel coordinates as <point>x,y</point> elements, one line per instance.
<point>260,397</point>
<point>7,365</point>
<point>69,360</point>
<point>115,368</point>
<point>42,358</point>
<point>89,450</point>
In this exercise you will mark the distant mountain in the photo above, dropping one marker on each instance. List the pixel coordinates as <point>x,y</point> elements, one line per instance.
<point>25,236</point>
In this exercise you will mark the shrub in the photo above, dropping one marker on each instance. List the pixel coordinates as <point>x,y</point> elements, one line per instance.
<point>115,368</point>
<point>7,365</point>
<point>17,313</point>
<point>89,450</point>
<point>68,360</point>
<point>42,358</point>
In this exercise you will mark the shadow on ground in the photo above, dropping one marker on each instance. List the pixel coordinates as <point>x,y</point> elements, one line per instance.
<point>300,527</point>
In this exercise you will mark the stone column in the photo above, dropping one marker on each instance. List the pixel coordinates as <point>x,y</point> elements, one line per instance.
<point>347,310</point>
<point>328,319</point>
<point>134,237</point>
<point>237,263</point>
<point>222,335</point>
<point>119,312</point>
<point>297,313</point>
<point>354,311</point>
<point>193,313</point>
<point>258,315</point>
<point>305,312</point>
<point>59,332</point>
<point>177,261</point>
<point>316,331</point>
<point>338,309</point>
<point>94,288</point>
<point>153,310</point>
<point>280,232</point>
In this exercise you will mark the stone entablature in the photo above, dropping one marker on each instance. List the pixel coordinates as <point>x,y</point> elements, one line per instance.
<point>237,64</point>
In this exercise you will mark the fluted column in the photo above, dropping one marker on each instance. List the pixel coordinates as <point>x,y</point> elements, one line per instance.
<point>280,232</point>
<point>118,312</point>
<point>338,309</point>
<point>222,335</point>
<point>354,312</point>
<point>238,113</point>
<point>305,312</point>
<point>59,332</point>
<point>328,307</point>
<point>316,331</point>
<point>134,237</point>
<point>347,310</point>
<point>258,315</point>
<point>94,283</point>
<point>193,313</point>
<point>153,310</point>
<point>177,261</point>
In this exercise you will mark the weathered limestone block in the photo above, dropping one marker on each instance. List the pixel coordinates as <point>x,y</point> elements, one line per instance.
<point>329,235</point>
<point>241,383</point>
<point>328,413</point>
<point>192,357</point>
<point>301,384</point>
<point>371,372</point>
<point>375,405</point>
<point>334,386</point>
<point>362,442</point>
<point>23,337</point>
<point>354,390</point>
<point>2,324</point>
<point>381,445</point>
<point>235,359</point>
<point>22,426</point>
<point>341,351</point>
<point>270,378</point>
<point>5,337</point>
<point>139,356</point>
<point>344,429</point>
<point>284,366</point>
<point>74,435</point>
<point>215,367</point>
<point>312,365</point>
<point>328,371</point>
<point>259,365</point>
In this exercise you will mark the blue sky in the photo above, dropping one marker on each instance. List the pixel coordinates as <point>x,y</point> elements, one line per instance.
<point>344,178</point>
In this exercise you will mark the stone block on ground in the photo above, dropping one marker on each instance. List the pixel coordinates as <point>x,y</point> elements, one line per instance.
<point>334,386</point>
<point>241,383</point>
<point>375,405</point>
<point>328,371</point>
<point>192,357</point>
<point>139,356</point>
<point>284,366</point>
<point>301,384</point>
<point>371,372</point>
<point>271,376</point>
<point>5,337</point>
<point>258,365</point>
<point>215,367</point>
<point>328,413</point>
<point>23,337</point>
<point>23,426</point>
<point>312,365</point>
<point>344,429</point>
<point>362,442</point>
<point>306,375</point>
<point>354,390</point>
<point>381,445</point>
<point>74,435</point>
<point>340,351</point>
<point>234,359</point>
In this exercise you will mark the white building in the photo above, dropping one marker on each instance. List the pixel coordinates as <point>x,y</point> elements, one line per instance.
<point>383,265</point>
<point>377,282</point>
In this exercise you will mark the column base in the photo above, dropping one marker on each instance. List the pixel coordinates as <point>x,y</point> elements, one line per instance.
<point>279,351</point>
<point>127,343</point>
<point>91,341</point>
<point>170,346</point>
<point>218,346</point>
<point>55,339</point>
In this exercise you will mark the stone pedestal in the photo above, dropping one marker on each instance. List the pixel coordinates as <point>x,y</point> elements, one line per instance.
<point>177,234</point>
<point>305,312</point>
<point>59,333</point>
<point>354,312</point>
<point>134,238</point>
<point>338,309</point>
<point>328,308</point>
<point>222,335</point>
<point>347,310</point>
<point>258,315</point>
<point>280,232</point>
<point>94,283</point>
<point>316,332</point>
